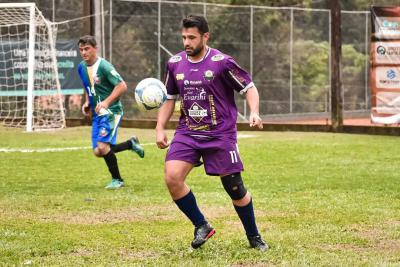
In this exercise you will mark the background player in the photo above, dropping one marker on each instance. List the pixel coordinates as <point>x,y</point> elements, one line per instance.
<point>103,88</point>
<point>205,80</point>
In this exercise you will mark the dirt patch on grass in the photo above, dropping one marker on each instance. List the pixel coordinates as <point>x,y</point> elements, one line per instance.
<point>380,240</point>
<point>252,265</point>
<point>377,237</point>
<point>131,214</point>
<point>341,247</point>
<point>128,254</point>
<point>167,212</point>
<point>81,252</point>
<point>276,214</point>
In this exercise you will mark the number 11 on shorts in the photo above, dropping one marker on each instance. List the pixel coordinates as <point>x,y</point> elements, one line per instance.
<point>234,158</point>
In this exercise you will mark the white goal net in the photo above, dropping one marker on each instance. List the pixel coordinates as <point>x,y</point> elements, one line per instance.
<point>30,94</point>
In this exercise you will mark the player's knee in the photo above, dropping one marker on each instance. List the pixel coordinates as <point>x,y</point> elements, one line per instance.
<point>97,153</point>
<point>233,185</point>
<point>102,149</point>
<point>173,179</point>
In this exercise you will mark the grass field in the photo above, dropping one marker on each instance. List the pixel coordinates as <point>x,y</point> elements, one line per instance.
<point>320,200</point>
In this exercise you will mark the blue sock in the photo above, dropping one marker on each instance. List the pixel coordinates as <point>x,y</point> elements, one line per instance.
<point>246,215</point>
<point>188,205</point>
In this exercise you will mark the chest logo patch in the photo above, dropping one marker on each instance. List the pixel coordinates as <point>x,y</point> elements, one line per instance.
<point>197,113</point>
<point>96,79</point>
<point>180,76</point>
<point>208,75</point>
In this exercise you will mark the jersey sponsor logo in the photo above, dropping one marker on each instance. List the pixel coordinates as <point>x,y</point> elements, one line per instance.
<point>187,82</point>
<point>199,128</point>
<point>209,75</point>
<point>217,57</point>
<point>180,76</point>
<point>175,59</point>
<point>103,132</point>
<point>200,96</point>
<point>192,85</point>
<point>197,113</point>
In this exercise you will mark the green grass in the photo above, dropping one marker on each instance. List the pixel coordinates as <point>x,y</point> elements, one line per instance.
<point>320,200</point>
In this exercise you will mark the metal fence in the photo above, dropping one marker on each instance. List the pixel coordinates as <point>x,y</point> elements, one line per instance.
<point>286,49</point>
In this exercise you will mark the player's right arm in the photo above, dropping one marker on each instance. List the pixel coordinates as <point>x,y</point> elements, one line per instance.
<point>86,105</point>
<point>164,114</point>
<point>84,77</point>
<point>167,109</point>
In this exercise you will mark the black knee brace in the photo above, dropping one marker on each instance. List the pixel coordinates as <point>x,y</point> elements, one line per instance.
<point>234,186</point>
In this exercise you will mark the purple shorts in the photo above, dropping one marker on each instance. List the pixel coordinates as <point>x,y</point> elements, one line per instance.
<point>219,156</point>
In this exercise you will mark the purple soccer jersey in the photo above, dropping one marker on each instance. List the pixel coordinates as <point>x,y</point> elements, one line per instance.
<point>207,126</point>
<point>206,89</point>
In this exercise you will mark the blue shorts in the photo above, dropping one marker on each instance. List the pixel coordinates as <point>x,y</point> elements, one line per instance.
<point>104,129</point>
<point>220,156</point>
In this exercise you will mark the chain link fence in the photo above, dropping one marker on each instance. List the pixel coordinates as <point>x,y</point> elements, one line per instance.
<point>286,49</point>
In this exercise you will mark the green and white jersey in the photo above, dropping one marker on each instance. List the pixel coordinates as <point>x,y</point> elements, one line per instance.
<point>99,81</point>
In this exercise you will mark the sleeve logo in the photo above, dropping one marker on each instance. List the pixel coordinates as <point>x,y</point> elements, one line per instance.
<point>218,57</point>
<point>175,59</point>
<point>114,73</point>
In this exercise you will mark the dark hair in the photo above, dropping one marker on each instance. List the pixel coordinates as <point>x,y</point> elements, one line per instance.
<point>87,40</point>
<point>199,22</point>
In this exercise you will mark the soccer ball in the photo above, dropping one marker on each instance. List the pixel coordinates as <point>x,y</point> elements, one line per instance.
<point>150,93</point>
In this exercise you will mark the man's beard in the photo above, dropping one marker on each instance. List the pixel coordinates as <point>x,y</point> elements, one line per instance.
<point>195,52</point>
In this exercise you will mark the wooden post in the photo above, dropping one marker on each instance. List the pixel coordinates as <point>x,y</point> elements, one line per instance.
<point>336,56</point>
<point>88,24</point>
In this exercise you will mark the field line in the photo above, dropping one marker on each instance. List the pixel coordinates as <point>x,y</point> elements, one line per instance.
<point>62,149</point>
<point>51,149</point>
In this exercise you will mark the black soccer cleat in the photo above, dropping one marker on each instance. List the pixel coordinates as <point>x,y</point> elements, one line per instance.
<point>257,242</point>
<point>202,234</point>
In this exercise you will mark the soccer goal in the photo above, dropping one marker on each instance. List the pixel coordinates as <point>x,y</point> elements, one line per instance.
<point>30,94</point>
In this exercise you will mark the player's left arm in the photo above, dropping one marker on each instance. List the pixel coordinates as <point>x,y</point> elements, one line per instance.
<point>253,99</point>
<point>116,93</point>
<point>242,83</point>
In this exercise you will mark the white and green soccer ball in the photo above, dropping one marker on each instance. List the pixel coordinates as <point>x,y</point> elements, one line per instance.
<point>150,93</point>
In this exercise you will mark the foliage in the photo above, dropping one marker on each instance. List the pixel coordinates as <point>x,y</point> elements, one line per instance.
<point>310,75</point>
<point>353,69</point>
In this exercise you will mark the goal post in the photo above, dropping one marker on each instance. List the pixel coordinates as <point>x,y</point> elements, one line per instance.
<point>30,91</point>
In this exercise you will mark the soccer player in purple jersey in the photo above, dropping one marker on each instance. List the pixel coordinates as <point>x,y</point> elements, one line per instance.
<point>205,80</point>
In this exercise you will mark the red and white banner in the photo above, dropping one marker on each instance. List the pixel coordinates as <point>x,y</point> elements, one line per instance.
<point>385,65</point>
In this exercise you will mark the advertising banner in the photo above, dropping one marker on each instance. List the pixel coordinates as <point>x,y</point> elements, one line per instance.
<point>14,67</point>
<point>68,59</point>
<point>385,65</point>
